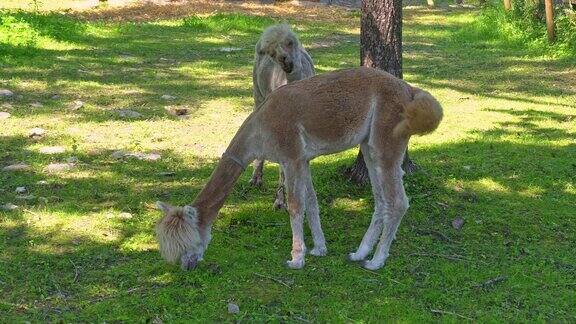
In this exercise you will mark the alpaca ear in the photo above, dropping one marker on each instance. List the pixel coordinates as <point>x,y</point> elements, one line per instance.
<point>163,206</point>
<point>190,212</point>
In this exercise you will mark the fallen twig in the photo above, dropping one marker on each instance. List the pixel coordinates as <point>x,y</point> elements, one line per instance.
<point>454,257</point>
<point>273,279</point>
<point>302,319</point>
<point>492,282</point>
<point>76,272</point>
<point>376,273</point>
<point>439,235</point>
<point>438,311</point>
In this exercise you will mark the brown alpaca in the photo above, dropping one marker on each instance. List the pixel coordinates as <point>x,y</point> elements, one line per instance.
<point>298,122</point>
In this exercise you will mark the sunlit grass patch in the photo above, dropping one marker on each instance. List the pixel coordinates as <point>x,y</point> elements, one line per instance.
<point>81,245</point>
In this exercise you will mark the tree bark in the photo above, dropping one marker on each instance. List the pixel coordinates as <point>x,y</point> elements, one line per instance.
<point>549,5</point>
<point>380,47</point>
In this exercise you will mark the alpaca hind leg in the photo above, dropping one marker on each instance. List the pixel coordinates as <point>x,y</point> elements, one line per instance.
<point>313,216</point>
<point>280,202</point>
<point>376,224</point>
<point>256,179</point>
<point>396,205</point>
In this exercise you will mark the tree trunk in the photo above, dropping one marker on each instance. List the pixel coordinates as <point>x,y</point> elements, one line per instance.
<point>549,5</point>
<point>380,47</point>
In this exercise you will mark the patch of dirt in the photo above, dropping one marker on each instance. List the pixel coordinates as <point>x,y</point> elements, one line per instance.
<point>165,9</point>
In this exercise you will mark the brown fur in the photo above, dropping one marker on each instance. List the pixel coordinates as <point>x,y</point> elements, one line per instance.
<point>421,116</point>
<point>300,121</point>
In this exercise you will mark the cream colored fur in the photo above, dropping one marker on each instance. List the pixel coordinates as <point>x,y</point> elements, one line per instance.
<point>277,50</point>
<point>177,232</point>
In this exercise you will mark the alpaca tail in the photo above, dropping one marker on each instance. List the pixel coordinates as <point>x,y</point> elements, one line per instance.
<point>422,115</point>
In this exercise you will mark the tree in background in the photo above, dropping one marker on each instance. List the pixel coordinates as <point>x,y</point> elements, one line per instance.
<point>380,47</point>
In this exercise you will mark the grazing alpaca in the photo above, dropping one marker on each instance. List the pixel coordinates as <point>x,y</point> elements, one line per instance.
<point>279,59</point>
<point>296,123</point>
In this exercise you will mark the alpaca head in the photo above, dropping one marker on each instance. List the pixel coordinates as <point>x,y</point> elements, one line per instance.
<point>178,235</point>
<point>281,44</point>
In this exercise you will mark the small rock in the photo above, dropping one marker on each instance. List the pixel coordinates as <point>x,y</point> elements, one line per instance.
<point>77,104</point>
<point>21,190</point>
<point>58,167</point>
<point>8,207</point>
<point>457,223</point>
<point>144,156</point>
<point>4,115</point>
<point>6,93</point>
<point>167,174</point>
<point>233,308</point>
<point>7,106</point>
<point>118,154</point>
<point>125,216</point>
<point>36,132</point>
<point>55,97</point>
<point>230,49</point>
<point>178,110</point>
<point>16,167</point>
<point>72,159</point>
<point>26,197</point>
<point>42,182</point>
<point>36,104</point>
<point>52,150</point>
<point>127,113</point>
<point>467,167</point>
<point>157,320</point>
<point>167,97</point>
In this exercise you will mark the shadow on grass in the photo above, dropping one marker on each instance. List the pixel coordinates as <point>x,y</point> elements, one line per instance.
<point>517,202</point>
<point>516,199</point>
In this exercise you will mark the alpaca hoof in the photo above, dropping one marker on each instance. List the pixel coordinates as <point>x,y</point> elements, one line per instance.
<point>371,265</point>
<point>256,181</point>
<point>189,261</point>
<point>279,205</point>
<point>355,257</point>
<point>319,251</point>
<point>295,264</point>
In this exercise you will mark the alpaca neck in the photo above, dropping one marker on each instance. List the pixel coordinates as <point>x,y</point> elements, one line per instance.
<point>295,75</point>
<point>212,197</point>
<point>238,155</point>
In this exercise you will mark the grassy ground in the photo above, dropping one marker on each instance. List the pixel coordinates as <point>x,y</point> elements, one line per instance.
<point>503,161</point>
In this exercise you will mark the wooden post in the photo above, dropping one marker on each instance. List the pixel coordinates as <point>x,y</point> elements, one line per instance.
<point>430,3</point>
<point>549,5</point>
<point>507,5</point>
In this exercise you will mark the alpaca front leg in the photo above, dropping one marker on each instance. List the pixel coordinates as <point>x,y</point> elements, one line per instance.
<point>258,173</point>
<point>298,246</point>
<point>296,192</point>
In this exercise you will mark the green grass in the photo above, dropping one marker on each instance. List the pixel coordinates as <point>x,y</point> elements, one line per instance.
<point>503,160</point>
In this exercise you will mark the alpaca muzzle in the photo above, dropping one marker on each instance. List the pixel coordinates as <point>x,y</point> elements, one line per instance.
<point>189,261</point>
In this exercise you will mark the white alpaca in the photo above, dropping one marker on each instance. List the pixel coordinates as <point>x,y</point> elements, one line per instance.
<point>279,59</point>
